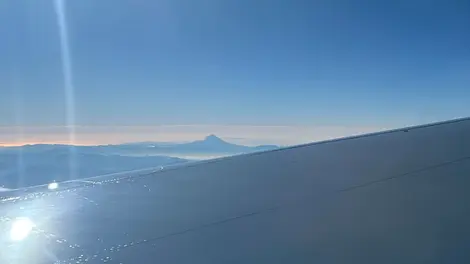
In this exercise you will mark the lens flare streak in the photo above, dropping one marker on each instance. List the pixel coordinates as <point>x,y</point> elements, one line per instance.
<point>60,10</point>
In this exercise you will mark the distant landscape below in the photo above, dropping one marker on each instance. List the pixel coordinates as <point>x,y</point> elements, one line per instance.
<point>30,165</point>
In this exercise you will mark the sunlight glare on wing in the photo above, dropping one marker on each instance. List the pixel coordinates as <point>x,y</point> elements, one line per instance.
<point>53,186</point>
<point>21,228</point>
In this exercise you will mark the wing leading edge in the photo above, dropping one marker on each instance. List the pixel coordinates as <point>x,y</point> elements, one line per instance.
<point>393,197</point>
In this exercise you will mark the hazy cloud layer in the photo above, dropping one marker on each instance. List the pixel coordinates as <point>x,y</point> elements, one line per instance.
<point>248,135</point>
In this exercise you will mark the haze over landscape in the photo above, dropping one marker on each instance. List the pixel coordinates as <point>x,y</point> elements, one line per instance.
<point>30,165</point>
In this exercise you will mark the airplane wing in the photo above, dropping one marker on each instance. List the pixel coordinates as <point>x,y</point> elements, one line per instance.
<point>399,196</point>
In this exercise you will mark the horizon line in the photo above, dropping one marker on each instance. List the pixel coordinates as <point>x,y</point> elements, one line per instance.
<point>64,143</point>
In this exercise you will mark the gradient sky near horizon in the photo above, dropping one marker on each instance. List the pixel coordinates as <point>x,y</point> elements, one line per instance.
<point>270,71</point>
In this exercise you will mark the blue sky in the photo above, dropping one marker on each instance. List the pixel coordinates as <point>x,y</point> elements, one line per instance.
<point>233,63</point>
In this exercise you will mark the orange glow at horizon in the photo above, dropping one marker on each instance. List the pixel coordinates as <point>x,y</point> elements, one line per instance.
<point>19,144</point>
<point>245,135</point>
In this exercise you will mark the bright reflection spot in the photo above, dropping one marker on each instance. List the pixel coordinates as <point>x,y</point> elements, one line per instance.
<point>53,186</point>
<point>21,228</point>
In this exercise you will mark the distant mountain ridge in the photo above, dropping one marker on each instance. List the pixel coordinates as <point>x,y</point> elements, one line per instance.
<point>210,143</point>
<point>213,143</point>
